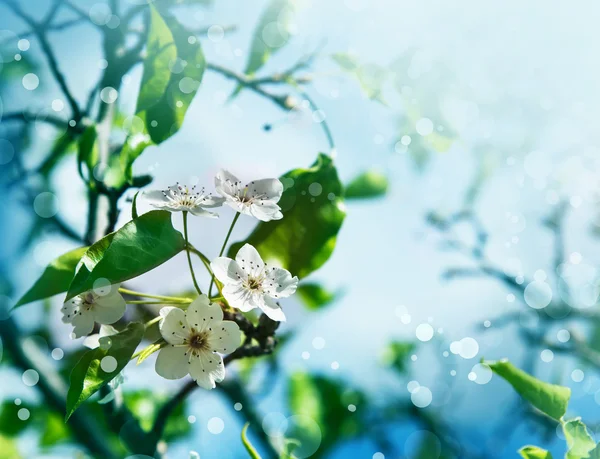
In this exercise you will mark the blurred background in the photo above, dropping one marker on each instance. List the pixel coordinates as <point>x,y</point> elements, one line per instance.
<point>478,124</point>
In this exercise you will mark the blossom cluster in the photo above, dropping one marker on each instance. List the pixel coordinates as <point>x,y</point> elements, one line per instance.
<point>195,338</point>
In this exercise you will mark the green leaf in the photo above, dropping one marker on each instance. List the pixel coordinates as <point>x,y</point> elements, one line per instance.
<point>145,404</point>
<point>371,77</point>
<point>54,430</point>
<point>134,212</point>
<point>160,51</point>
<point>396,355</point>
<point>595,453</point>
<point>8,448</point>
<point>533,452</point>
<point>548,398</point>
<point>313,212</point>
<point>138,247</point>
<point>315,296</point>
<point>10,424</point>
<point>369,184</point>
<point>579,441</point>
<point>88,376</point>
<point>270,35</point>
<point>86,150</point>
<point>55,279</point>
<point>326,402</point>
<point>166,116</point>
<point>251,450</point>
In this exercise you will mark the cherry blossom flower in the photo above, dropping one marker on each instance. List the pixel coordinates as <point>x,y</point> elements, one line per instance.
<point>181,198</point>
<point>248,283</point>
<point>258,198</point>
<point>104,305</point>
<point>195,338</point>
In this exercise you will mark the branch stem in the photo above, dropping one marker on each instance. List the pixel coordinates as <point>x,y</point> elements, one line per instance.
<point>212,280</point>
<point>187,251</point>
<point>173,299</point>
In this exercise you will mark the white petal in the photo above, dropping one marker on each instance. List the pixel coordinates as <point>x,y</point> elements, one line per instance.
<point>238,206</point>
<point>202,314</point>
<point>239,297</point>
<point>272,309</point>
<point>69,310</point>
<point>173,326</point>
<point>172,362</point>
<point>266,212</point>
<point>210,201</point>
<point>156,198</point>
<point>93,341</point>
<point>226,337</point>
<point>267,189</point>
<point>280,283</point>
<point>198,211</point>
<point>227,270</point>
<point>250,261</point>
<point>226,183</point>
<point>206,368</point>
<point>110,308</point>
<point>83,323</point>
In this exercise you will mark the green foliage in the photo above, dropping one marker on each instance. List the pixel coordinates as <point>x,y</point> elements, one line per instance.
<point>396,355</point>
<point>369,184</point>
<point>169,111</point>
<point>138,247</point>
<point>315,296</point>
<point>55,279</point>
<point>160,51</point>
<point>8,448</point>
<point>274,22</point>
<point>54,430</point>
<point>326,402</point>
<point>548,398</point>
<point>251,450</point>
<point>304,239</point>
<point>87,153</point>
<point>10,424</point>
<point>579,441</point>
<point>371,77</point>
<point>145,404</point>
<point>173,71</point>
<point>88,377</point>
<point>533,452</point>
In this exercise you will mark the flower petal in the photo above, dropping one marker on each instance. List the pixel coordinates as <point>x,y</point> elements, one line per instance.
<point>266,211</point>
<point>172,362</point>
<point>210,201</point>
<point>156,198</point>
<point>227,184</point>
<point>83,323</point>
<point>280,283</point>
<point>109,308</point>
<point>198,211</point>
<point>272,309</point>
<point>227,270</point>
<point>226,337</point>
<point>69,310</point>
<point>202,314</point>
<point>173,326</point>
<point>266,189</point>
<point>239,297</point>
<point>250,261</point>
<point>206,369</point>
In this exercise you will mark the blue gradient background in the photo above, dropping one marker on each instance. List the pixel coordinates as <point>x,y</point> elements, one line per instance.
<point>510,55</point>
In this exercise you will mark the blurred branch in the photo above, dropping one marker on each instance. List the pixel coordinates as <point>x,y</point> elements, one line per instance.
<point>39,30</point>
<point>28,117</point>
<point>26,355</point>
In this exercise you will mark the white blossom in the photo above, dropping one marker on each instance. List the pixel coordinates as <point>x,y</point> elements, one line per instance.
<point>181,198</point>
<point>258,198</point>
<point>104,305</point>
<point>195,338</point>
<point>248,283</point>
